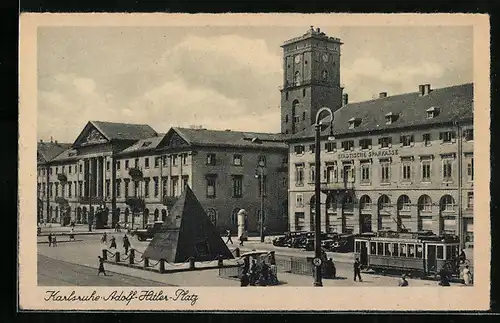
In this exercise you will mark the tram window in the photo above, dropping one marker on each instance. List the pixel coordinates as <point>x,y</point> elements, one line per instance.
<point>395,250</point>
<point>380,248</point>
<point>402,250</point>
<point>358,246</point>
<point>419,251</point>
<point>439,252</point>
<point>373,248</point>
<point>387,249</point>
<point>411,250</point>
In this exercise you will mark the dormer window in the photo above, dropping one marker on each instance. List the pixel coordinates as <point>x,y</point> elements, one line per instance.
<point>354,122</point>
<point>432,112</point>
<point>390,117</point>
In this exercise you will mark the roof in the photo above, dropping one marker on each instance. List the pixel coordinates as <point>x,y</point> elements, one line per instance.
<point>46,151</point>
<point>229,138</point>
<point>455,103</point>
<point>143,145</point>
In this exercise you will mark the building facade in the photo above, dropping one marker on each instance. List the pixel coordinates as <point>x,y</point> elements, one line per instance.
<point>115,166</point>
<point>398,163</point>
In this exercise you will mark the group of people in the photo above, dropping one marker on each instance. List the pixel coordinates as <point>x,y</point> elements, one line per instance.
<point>126,242</point>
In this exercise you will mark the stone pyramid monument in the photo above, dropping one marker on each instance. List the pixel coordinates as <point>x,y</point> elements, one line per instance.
<point>188,232</point>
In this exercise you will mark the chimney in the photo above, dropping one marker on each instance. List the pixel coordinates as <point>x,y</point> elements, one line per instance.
<point>345,99</point>
<point>382,95</point>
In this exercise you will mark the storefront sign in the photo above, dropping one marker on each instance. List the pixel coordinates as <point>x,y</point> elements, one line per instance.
<point>369,154</point>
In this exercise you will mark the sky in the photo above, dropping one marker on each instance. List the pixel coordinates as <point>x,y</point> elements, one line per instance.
<point>221,77</point>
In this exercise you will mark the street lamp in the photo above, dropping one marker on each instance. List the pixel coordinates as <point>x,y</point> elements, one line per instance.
<point>260,167</point>
<point>317,213</point>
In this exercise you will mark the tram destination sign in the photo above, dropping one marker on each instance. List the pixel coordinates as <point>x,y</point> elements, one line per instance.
<point>369,154</point>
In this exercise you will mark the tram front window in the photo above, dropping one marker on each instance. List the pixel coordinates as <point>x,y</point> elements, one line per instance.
<point>439,252</point>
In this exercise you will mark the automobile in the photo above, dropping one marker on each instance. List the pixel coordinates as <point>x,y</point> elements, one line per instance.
<point>148,232</point>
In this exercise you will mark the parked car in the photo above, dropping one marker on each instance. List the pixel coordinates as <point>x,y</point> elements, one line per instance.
<point>148,232</point>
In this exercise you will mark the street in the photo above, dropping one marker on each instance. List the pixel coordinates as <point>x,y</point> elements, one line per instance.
<point>77,262</point>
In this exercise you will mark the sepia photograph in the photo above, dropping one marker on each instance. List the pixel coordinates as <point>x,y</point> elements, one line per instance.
<point>176,153</point>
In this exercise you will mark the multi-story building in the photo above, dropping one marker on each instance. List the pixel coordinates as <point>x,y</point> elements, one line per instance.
<point>394,163</point>
<point>117,164</point>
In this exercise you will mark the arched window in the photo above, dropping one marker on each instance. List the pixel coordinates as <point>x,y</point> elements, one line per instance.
<point>234,215</point>
<point>384,202</point>
<point>365,202</point>
<point>425,203</point>
<point>404,203</point>
<point>212,215</point>
<point>296,78</point>
<point>447,203</point>
<point>324,75</point>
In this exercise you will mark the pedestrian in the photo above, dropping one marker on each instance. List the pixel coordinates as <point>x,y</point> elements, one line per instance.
<point>126,244</point>
<point>101,266</point>
<point>72,235</point>
<point>357,270</point>
<point>241,240</point>
<point>228,235</point>
<point>462,257</point>
<point>104,238</point>
<point>54,241</point>
<point>403,282</point>
<point>113,242</point>
<point>467,275</point>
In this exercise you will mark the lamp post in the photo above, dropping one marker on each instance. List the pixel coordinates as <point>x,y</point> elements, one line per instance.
<point>317,212</point>
<point>260,168</point>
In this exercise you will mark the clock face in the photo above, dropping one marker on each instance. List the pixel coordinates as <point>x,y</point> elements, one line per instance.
<point>297,59</point>
<point>325,57</point>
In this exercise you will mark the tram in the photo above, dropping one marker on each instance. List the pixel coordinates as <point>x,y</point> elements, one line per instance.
<point>415,253</point>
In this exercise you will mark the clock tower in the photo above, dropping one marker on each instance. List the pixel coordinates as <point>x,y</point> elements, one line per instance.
<point>311,80</point>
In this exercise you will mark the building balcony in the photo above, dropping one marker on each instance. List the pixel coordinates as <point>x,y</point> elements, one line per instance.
<point>62,177</point>
<point>337,186</point>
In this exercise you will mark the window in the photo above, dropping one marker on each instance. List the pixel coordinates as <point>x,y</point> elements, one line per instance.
<point>439,252</point>
<point>426,171</point>
<point>156,187</point>
<point>469,134</point>
<point>136,163</point>
<point>385,142</point>
<point>348,144</point>
<point>127,182</point>
<point>365,172</point>
<point>299,200</point>
<point>447,136</point>
<point>146,187</point>
<point>146,162</point>
<point>108,187</point>
<point>470,170</point>
<point>237,160</point>
<point>312,169</point>
<point>126,164</point>
<point>108,165</point>
<point>174,181</point>
<point>406,171</point>
<point>70,191</point>
<point>299,175</point>
<point>184,159</point>
<point>117,165</point>
<point>385,171</point>
<point>365,143</point>
<point>330,146</point>
<point>262,161</point>
<point>312,148</point>
<point>237,186</point>
<point>406,140</point>
<point>119,186</point>
<point>470,200</point>
<point>211,159</point>
<point>164,181</point>
<point>299,149</point>
<point>174,160</point>
<point>447,170</point>
<point>211,187</point>
<point>426,139</point>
